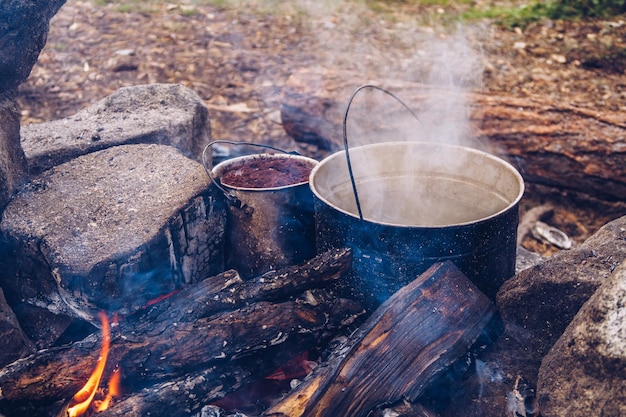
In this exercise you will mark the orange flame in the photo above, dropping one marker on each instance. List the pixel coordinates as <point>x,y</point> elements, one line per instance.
<point>85,396</point>
<point>114,391</point>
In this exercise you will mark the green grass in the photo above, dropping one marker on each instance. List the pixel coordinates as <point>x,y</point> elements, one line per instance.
<point>129,6</point>
<point>507,13</point>
<point>512,16</point>
<point>187,7</point>
<point>588,8</point>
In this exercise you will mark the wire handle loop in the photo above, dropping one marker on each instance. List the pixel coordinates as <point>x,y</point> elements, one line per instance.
<point>232,199</point>
<point>345,134</point>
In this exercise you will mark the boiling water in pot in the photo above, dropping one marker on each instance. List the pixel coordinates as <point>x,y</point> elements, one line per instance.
<point>418,184</point>
<point>423,200</point>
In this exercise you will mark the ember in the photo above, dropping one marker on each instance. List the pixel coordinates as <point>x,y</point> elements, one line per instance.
<point>84,399</point>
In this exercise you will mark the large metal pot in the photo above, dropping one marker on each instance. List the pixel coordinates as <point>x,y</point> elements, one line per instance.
<point>417,203</point>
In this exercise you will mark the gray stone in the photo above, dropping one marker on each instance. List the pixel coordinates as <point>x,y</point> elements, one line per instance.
<point>24,26</point>
<point>526,259</point>
<point>43,328</point>
<point>15,344</point>
<point>112,230</point>
<point>539,302</point>
<point>23,33</point>
<point>12,160</point>
<point>584,374</point>
<point>169,114</point>
<point>123,60</point>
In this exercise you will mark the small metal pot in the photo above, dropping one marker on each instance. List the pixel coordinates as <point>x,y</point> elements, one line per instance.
<point>418,203</point>
<point>267,228</point>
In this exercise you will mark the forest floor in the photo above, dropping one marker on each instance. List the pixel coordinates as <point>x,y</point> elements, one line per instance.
<point>237,59</point>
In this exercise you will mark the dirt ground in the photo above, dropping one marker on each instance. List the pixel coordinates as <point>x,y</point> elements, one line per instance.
<point>238,59</point>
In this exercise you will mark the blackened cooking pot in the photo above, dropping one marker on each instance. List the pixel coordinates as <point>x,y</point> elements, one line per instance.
<point>418,203</point>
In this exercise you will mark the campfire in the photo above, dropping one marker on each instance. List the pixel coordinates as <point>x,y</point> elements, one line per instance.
<point>84,402</point>
<point>191,348</point>
<point>133,285</point>
<point>301,339</point>
<point>205,346</point>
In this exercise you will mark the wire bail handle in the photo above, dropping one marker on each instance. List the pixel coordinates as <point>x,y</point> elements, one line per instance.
<point>232,199</point>
<point>345,134</point>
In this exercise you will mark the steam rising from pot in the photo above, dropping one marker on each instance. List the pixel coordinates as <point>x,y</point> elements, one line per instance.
<point>447,67</point>
<point>452,68</point>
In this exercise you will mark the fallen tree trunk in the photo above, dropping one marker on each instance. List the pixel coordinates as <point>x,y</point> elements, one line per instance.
<point>550,143</point>
<point>190,333</point>
<point>409,340</point>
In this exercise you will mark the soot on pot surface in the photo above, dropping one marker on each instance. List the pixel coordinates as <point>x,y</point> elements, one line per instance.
<point>266,173</point>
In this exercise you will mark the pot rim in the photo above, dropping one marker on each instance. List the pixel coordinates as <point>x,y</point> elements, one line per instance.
<point>222,166</point>
<point>497,160</point>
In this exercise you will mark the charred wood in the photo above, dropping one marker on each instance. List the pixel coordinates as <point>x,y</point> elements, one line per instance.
<point>188,393</point>
<point>193,303</point>
<point>181,396</point>
<point>182,348</point>
<point>179,348</point>
<point>188,335</point>
<point>408,341</point>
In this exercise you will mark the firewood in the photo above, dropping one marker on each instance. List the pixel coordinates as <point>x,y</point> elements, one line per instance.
<point>188,335</point>
<point>177,396</point>
<point>180,396</point>
<point>409,340</point>
<point>172,351</point>
<point>551,143</point>
<point>191,304</point>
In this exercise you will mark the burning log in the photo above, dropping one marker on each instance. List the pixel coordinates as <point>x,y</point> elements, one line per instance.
<point>550,143</point>
<point>271,286</point>
<point>191,330</point>
<point>83,399</point>
<point>409,340</point>
<point>180,396</point>
<point>189,392</point>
